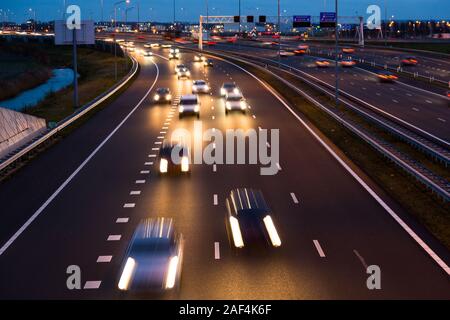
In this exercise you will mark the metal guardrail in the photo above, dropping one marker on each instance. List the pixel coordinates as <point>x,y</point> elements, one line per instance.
<point>440,186</point>
<point>23,150</point>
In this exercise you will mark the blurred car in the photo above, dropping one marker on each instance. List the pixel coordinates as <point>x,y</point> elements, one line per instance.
<point>174,54</point>
<point>183,73</point>
<point>189,104</point>
<point>386,76</point>
<point>166,45</point>
<point>249,219</point>
<point>228,87</point>
<point>173,158</point>
<point>235,101</point>
<point>162,95</point>
<point>322,63</point>
<point>284,53</point>
<point>199,57</point>
<point>200,86</point>
<point>409,61</point>
<point>153,260</point>
<point>347,63</point>
<point>151,45</point>
<point>298,52</point>
<point>448,94</point>
<point>211,43</point>
<point>303,47</point>
<point>147,53</point>
<point>208,63</point>
<point>130,49</point>
<point>348,50</point>
<point>178,67</point>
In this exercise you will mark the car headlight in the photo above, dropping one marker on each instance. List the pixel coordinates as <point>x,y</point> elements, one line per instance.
<point>236,232</point>
<point>223,91</point>
<point>228,105</point>
<point>206,87</point>
<point>197,108</point>
<point>273,234</point>
<point>168,97</point>
<point>185,164</point>
<point>243,105</point>
<point>188,73</point>
<point>163,164</point>
<point>236,90</point>
<point>127,274</point>
<point>156,97</point>
<point>180,109</point>
<point>194,88</point>
<point>172,272</point>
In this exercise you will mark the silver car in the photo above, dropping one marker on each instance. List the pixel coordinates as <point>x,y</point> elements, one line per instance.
<point>189,104</point>
<point>200,86</point>
<point>154,257</point>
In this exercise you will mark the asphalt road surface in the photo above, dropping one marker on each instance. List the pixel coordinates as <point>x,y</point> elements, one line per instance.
<point>331,227</point>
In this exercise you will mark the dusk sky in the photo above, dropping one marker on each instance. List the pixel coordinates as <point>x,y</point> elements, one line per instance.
<point>189,10</point>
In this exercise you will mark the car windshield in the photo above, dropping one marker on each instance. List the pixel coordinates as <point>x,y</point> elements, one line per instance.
<point>162,90</point>
<point>180,66</point>
<point>234,98</point>
<point>199,82</point>
<point>188,101</point>
<point>229,85</point>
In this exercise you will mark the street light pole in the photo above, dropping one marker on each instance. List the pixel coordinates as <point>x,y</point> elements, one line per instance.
<point>279,35</point>
<point>336,36</point>
<point>174,12</point>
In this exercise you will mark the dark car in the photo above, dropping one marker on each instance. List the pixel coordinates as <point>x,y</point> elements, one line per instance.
<point>386,76</point>
<point>249,220</point>
<point>208,63</point>
<point>173,158</point>
<point>162,95</point>
<point>154,257</point>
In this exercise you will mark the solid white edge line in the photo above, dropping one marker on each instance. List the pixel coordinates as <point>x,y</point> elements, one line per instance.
<point>215,200</point>
<point>82,165</point>
<point>294,197</point>
<point>380,201</point>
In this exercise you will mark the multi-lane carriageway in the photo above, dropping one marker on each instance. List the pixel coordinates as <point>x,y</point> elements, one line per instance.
<point>79,202</point>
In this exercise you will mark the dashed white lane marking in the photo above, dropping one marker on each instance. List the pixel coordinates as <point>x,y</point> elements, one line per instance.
<point>254,117</point>
<point>145,172</point>
<point>114,237</point>
<point>428,101</point>
<point>319,248</point>
<point>152,155</point>
<point>155,149</point>
<point>378,94</point>
<point>160,137</point>
<point>442,120</point>
<point>393,100</point>
<point>148,163</point>
<point>215,200</point>
<point>360,257</point>
<point>158,142</point>
<point>165,128</point>
<point>409,94</point>
<point>140,181</point>
<point>216,250</point>
<point>92,285</point>
<point>104,259</point>
<point>415,109</point>
<point>392,89</point>
<point>129,205</point>
<point>294,197</point>
<point>162,132</point>
<point>278,166</point>
<point>364,88</point>
<point>135,192</point>
<point>214,168</point>
<point>122,220</point>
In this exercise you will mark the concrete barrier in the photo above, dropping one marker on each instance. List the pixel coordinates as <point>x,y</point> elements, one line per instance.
<point>17,128</point>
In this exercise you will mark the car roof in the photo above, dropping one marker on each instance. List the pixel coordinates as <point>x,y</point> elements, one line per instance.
<point>247,200</point>
<point>154,228</point>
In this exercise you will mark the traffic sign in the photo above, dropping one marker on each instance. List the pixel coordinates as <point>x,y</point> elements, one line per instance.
<point>84,35</point>
<point>328,19</point>
<point>301,21</point>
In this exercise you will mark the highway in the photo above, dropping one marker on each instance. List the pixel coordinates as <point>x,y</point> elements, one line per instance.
<point>422,110</point>
<point>87,194</point>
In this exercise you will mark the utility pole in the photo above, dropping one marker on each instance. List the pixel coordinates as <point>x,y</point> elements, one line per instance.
<point>279,35</point>
<point>336,55</point>
<point>174,13</point>
<point>75,69</point>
